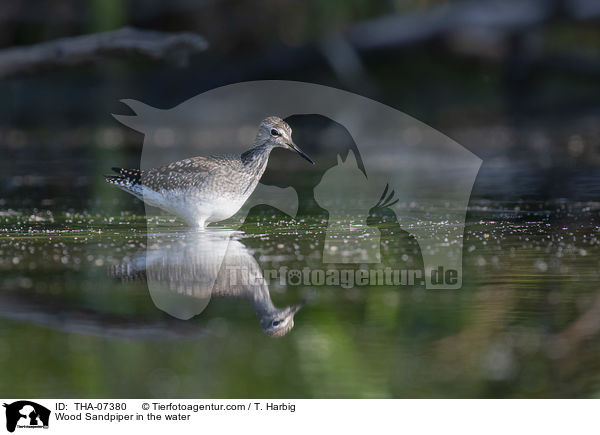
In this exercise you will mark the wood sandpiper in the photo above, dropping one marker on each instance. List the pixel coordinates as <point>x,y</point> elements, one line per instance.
<point>201,190</point>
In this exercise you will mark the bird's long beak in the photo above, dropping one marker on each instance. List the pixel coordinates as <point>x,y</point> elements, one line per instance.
<point>295,308</point>
<point>293,146</point>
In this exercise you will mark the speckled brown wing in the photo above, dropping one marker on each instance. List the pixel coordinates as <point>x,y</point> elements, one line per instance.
<point>180,175</point>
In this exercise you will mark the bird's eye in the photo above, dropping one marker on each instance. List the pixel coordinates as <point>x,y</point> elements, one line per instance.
<point>276,323</point>
<point>274,132</point>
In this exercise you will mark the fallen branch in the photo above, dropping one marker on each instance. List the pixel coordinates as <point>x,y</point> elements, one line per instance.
<point>471,20</point>
<point>46,313</point>
<point>175,47</point>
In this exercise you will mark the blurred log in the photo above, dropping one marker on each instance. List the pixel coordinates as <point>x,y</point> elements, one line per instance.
<point>46,313</point>
<point>471,21</point>
<point>125,42</point>
<point>495,31</point>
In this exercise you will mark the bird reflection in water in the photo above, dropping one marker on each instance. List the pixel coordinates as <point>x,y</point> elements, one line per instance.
<point>185,270</point>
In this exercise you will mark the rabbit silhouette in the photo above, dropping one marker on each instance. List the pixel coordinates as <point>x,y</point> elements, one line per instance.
<point>347,195</point>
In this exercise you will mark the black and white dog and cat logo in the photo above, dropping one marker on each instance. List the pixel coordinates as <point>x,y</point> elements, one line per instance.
<point>25,414</point>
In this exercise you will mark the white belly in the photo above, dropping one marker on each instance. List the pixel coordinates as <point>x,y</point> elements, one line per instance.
<point>219,210</point>
<point>196,212</point>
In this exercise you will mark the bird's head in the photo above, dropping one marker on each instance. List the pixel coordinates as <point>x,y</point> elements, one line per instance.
<point>276,132</point>
<point>280,322</point>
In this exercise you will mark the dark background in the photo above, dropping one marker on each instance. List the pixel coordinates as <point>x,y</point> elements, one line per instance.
<point>516,82</point>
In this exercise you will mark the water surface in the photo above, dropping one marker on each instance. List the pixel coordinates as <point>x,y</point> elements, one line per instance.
<point>79,320</point>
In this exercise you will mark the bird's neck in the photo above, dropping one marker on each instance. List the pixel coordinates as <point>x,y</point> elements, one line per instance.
<point>261,301</point>
<point>257,157</point>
